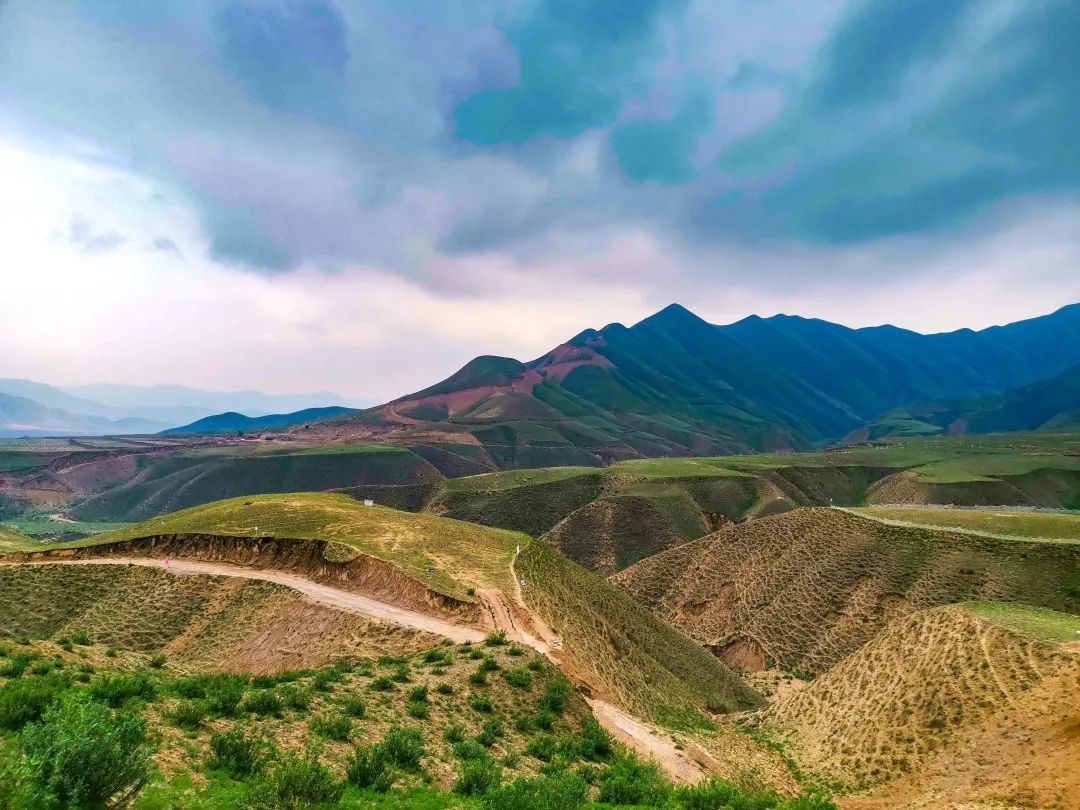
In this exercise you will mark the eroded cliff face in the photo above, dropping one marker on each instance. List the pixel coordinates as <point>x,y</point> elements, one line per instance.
<point>321,561</point>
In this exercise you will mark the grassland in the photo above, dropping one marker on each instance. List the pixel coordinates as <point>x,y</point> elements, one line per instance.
<point>464,556</point>
<point>1016,523</point>
<point>11,540</point>
<point>1041,624</point>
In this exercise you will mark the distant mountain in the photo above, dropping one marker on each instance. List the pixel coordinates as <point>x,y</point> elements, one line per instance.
<point>1052,404</point>
<point>674,384</point>
<point>166,405</point>
<point>231,422</point>
<point>20,417</point>
<point>875,369</point>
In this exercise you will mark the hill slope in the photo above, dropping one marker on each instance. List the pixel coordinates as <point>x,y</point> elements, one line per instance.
<point>20,416</point>
<point>804,589</point>
<point>232,422</point>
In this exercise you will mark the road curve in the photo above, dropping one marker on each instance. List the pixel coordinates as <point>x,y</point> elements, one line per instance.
<point>324,594</point>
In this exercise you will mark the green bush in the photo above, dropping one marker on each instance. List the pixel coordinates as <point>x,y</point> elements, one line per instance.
<point>543,747</point>
<point>558,791</point>
<point>515,650</point>
<point>401,673</point>
<point>555,695</point>
<point>16,665</point>
<point>191,686</point>
<point>238,753</point>
<point>489,664</point>
<point>496,639</point>
<point>418,710</point>
<point>81,638</point>
<point>262,703</point>
<point>482,704</point>
<point>116,689</point>
<point>419,694</point>
<point>368,768</point>
<point>224,693</point>
<point>436,656</point>
<point>518,677</point>
<point>492,730</point>
<point>263,682</point>
<point>338,727</point>
<point>189,714</point>
<point>469,749</point>
<point>298,782</point>
<point>158,661</point>
<point>630,780</point>
<point>82,753</point>
<point>381,684</point>
<point>593,742</point>
<point>354,706</point>
<point>454,733</point>
<point>477,777</point>
<point>323,681</point>
<point>444,689</point>
<point>404,747</point>
<point>296,697</point>
<point>24,701</point>
<point>478,678</point>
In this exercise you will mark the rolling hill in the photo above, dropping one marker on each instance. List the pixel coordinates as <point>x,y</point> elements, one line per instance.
<point>20,417</point>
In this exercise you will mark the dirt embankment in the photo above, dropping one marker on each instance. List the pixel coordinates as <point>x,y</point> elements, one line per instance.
<point>320,561</point>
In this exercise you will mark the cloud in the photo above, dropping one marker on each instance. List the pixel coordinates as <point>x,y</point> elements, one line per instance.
<point>82,235</point>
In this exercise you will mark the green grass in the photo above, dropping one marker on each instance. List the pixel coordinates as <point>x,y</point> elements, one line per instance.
<point>1038,623</point>
<point>350,449</point>
<point>1016,523</point>
<point>11,540</point>
<point>672,468</point>
<point>463,555</point>
<point>34,527</point>
<point>509,479</point>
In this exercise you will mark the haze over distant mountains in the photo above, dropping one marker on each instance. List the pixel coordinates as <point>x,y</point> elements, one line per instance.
<point>29,408</point>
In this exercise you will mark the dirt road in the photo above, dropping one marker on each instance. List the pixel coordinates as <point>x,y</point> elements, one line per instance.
<point>344,600</point>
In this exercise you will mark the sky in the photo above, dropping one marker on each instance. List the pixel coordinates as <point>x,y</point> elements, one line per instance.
<point>361,195</point>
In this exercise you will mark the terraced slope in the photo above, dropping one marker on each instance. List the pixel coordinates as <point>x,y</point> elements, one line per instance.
<point>1003,523</point>
<point>616,645</point>
<point>804,589</point>
<point>197,621</point>
<point>928,687</point>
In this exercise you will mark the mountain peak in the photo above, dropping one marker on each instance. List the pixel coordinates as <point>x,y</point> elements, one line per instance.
<point>674,315</point>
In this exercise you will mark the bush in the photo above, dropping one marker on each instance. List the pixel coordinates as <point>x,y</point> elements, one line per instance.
<point>24,701</point>
<point>401,673</point>
<point>418,710</point>
<point>545,720</point>
<point>435,656</point>
<point>444,689</point>
<point>381,684</point>
<point>404,747</point>
<point>367,768</point>
<point>558,791</point>
<point>192,686</point>
<point>555,695</point>
<point>535,664</point>
<point>469,749</point>
<point>263,682</point>
<point>476,777</point>
<point>81,638</point>
<point>478,678</point>
<point>496,639</point>
<point>224,693</point>
<point>238,753</point>
<point>354,706</point>
<point>119,688</point>
<point>16,665</point>
<point>419,694</point>
<point>629,780</point>
<point>515,650</point>
<point>189,714</point>
<point>323,681</point>
<point>492,730</point>
<point>296,697</point>
<point>333,728</point>
<point>593,742</point>
<point>82,753</point>
<point>543,747</point>
<point>298,782</point>
<point>518,677</point>
<point>263,703</point>
<point>489,664</point>
<point>483,704</point>
<point>454,733</point>
<point>158,661</point>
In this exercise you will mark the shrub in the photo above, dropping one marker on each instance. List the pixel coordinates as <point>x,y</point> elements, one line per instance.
<point>515,650</point>
<point>555,695</point>
<point>81,638</point>
<point>454,733</point>
<point>263,703</point>
<point>469,749</point>
<point>119,688</point>
<point>298,782</point>
<point>110,651</point>
<point>42,667</point>
<point>189,714</point>
<point>238,753</point>
<point>478,678</point>
<point>482,703</point>
<point>158,661</point>
<point>545,720</point>
<point>368,768</point>
<point>323,681</point>
<point>593,742</point>
<point>263,682</point>
<point>496,639</point>
<point>418,710</point>
<point>444,689</point>
<point>435,656</point>
<point>492,730</point>
<point>476,655</point>
<point>535,664</point>
<point>629,780</point>
<point>24,701</point>
<point>296,697</point>
<point>476,777</point>
<point>543,747</point>
<point>489,664</point>
<point>192,686</point>
<point>82,753</point>
<point>419,694</point>
<point>16,665</point>
<point>354,706</point>
<point>401,673</point>
<point>404,747</point>
<point>518,677</point>
<point>558,791</point>
<point>333,728</point>
<point>381,684</point>
<point>224,693</point>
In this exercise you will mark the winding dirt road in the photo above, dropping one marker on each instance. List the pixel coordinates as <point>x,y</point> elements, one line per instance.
<point>642,737</point>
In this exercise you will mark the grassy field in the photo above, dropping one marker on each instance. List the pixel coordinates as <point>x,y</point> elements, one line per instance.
<point>463,555</point>
<point>1018,523</point>
<point>1038,623</point>
<point>11,540</point>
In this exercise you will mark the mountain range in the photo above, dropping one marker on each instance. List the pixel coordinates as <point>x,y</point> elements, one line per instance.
<point>674,384</point>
